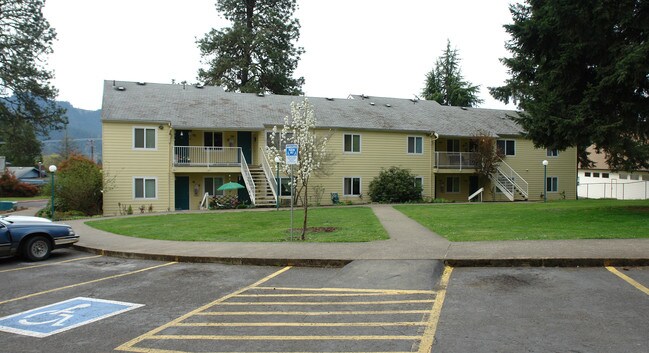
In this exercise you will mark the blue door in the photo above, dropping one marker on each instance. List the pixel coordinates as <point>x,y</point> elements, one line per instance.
<point>182,193</point>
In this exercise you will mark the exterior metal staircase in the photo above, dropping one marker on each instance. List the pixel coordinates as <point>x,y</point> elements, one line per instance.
<point>510,183</point>
<point>264,195</point>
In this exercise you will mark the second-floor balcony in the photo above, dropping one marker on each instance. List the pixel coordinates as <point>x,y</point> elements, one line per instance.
<point>199,156</point>
<point>455,160</point>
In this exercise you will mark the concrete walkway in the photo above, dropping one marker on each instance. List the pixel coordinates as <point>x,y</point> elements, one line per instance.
<point>408,241</point>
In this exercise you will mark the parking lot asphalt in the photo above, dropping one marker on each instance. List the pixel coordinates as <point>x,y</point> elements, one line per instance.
<point>366,306</point>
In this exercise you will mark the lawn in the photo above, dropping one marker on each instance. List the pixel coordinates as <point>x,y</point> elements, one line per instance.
<point>351,224</point>
<point>577,219</point>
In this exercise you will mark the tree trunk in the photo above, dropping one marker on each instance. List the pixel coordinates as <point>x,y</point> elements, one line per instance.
<point>306,210</point>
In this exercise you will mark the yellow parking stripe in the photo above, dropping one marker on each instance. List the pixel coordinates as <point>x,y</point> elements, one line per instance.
<point>310,313</point>
<point>128,346</point>
<point>51,263</point>
<point>84,283</point>
<point>380,302</point>
<point>426,344</point>
<point>281,338</point>
<point>298,324</point>
<point>356,290</point>
<point>630,280</point>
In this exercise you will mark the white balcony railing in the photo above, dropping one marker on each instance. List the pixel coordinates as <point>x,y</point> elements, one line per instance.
<point>454,160</point>
<point>198,156</point>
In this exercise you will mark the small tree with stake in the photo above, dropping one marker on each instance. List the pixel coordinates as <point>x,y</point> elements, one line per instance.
<point>312,151</point>
<point>486,156</point>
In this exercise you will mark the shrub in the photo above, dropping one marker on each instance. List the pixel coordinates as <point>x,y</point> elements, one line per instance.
<point>394,185</point>
<point>78,186</point>
<point>12,187</point>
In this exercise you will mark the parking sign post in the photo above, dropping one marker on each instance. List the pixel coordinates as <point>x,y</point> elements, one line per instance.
<point>291,159</point>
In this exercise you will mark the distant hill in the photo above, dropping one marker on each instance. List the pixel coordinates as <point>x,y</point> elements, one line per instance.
<point>83,126</point>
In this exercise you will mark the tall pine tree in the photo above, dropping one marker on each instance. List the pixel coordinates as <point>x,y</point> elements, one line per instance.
<point>580,72</point>
<point>27,104</point>
<point>257,53</point>
<point>445,84</point>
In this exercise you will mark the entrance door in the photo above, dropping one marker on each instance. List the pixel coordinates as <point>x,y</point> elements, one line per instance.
<point>244,140</point>
<point>182,193</point>
<point>181,138</point>
<point>473,184</point>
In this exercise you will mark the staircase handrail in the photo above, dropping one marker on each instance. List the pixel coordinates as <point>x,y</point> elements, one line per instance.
<point>478,192</point>
<point>203,205</point>
<point>519,183</point>
<point>503,188</point>
<point>270,178</point>
<point>247,177</point>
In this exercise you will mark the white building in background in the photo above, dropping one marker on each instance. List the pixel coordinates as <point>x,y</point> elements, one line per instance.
<point>600,182</point>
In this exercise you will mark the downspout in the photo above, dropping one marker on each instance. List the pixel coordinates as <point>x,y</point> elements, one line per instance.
<point>433,137</point>
<point>170,164</point>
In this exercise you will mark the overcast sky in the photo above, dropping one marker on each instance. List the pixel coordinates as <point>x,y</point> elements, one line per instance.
<point>377,48</point>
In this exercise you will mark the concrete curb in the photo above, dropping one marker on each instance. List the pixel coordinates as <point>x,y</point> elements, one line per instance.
<point>323,263</point>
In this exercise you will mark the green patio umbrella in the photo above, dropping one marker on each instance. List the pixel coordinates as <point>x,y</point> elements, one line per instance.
<point>230,186</point>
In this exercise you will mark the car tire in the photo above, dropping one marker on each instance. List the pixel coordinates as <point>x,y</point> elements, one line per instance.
<point>37,248</point>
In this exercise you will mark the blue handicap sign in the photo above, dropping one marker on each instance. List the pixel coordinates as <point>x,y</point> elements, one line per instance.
<point>55,318</point>
<point>291,153</point>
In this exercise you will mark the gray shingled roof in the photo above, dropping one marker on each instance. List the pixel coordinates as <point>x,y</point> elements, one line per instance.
<point>209,107</point>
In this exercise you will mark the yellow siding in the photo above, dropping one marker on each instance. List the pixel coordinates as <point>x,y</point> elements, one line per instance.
<point>121,163</point>
<point>378,150</point>
<point>528,163</point>
<point>197,186</point>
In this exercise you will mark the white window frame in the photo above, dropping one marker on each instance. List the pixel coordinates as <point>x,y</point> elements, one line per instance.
<point>552,152</point>
<point>505,150</point>
<point>360,143</point>
<point>422,183</point>
<point>360,186</point>
<point>459,185</point>
<point>587,174</point>
<point>414,145</point>
<point>144,179</point>
<point>213,192</point>
<point>549,184</point>
<point>155,138</point>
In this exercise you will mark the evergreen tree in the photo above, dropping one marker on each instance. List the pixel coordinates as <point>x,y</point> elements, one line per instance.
<point>257,53</point>
<point>27,106</point>
<point>445,84</point>
<point>580,72</point>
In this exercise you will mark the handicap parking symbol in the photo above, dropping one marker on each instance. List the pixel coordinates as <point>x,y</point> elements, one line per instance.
<point>55,318</point>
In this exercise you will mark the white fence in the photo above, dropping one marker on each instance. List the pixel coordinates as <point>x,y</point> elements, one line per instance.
<point>634,190</point>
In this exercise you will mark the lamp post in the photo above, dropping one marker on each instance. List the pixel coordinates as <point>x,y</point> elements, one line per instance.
<point>545,180</point>
<point>279,183</point>
<point>52,171</point>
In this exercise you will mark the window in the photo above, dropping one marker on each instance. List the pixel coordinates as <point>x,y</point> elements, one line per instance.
<point>352,143</point>
<point>552,184</point>
<point>605,175</point>
<point>213,139</point>
<point>552,152</point>
<point>352,186</point>
<point>452,184</point>
<point>419,182</point>
<point>212,184</point>
<point>587,174</point>
<point>286,188</point>
<point>595,175</point>
<point>635,176</point>
<point>144,138</point>
<point>415,144</point>
<point>144,187</point>
<point>452,145</point>
<point>507,147</point>
<point>623,176</point>
<point>272,140</point>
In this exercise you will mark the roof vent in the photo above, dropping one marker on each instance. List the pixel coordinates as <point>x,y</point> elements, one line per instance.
<point>464,108</point>
<point>199,85</point>
<point>120,88</point>
<point>260,94</point>
<point>414,100</point>
<point>388,105</point>
<point>363,96</point>
<point>329,99</point>
<point>141,83</point>
<point>371,103</point>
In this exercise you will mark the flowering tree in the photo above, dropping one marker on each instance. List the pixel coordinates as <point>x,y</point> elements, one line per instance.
<point>299,129</point>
